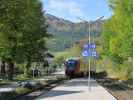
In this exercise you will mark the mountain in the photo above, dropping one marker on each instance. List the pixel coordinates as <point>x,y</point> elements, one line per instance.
<point>66,33</point>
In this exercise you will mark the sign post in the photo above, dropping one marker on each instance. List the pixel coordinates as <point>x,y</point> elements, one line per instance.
<point>93,46</point>
<point>88,52</point>
<point>89,78</point>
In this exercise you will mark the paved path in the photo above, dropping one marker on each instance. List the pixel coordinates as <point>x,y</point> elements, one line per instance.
<point>7,88</point>
<point>62,72</point>
<point>77,89</point>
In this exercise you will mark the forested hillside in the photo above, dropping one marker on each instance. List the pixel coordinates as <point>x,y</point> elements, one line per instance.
<point>65,32</point>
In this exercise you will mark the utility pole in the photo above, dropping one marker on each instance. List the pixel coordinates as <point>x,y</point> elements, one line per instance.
<point>89,36</point>
<point>89,78</point>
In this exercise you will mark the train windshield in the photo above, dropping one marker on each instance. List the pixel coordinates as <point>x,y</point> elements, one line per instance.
<point>71,64</point>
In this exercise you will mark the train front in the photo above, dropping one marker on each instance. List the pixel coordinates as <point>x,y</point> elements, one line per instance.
<point>71,67</point>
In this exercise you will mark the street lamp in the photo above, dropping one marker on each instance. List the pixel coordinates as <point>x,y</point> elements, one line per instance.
<point>89,36</point>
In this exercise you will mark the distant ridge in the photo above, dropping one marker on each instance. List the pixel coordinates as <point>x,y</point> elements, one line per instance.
<point>66,32</point>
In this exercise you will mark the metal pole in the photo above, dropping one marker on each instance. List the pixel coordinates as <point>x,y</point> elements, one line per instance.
<point>89,77</point>
<point>89,85</point>
<point>94,32</point>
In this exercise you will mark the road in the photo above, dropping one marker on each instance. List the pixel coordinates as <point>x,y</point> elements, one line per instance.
<point>77,89</point>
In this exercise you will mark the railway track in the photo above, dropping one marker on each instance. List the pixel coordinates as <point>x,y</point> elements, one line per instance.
<point>119,90</point>
<point>37,92</point>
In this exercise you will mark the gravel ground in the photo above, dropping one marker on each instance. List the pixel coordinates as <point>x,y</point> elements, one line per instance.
<point>118,89</point>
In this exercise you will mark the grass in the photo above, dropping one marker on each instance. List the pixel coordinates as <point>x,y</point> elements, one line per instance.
<point>21,77</point>
<point>129,82</point>
<point>4,82</point>
<point>21,90</point>
<point>18,78</point>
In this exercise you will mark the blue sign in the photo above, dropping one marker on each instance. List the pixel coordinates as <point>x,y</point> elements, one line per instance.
<point>89,46</point>
<point>94,54</point>
<point>92,45</point>
<point>86,46</point>
<point>89,50</point>
<point>85,53</point>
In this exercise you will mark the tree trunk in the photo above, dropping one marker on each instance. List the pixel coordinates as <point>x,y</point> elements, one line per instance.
<point>3,69</point>
<point>10,72</point>
<point>27,68</point>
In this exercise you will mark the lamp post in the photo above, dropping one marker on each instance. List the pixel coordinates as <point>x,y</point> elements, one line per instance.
<point>89,36</point>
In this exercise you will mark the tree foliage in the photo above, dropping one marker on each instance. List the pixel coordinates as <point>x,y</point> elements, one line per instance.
<point>118,31</point>
<point>22,31</point>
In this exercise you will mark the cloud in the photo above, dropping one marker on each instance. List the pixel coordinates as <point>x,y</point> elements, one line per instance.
<point>67,6</point>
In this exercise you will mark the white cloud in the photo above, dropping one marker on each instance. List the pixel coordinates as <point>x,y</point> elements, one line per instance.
<point>66,6</point>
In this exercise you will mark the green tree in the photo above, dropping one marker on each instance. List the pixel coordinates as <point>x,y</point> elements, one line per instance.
<point>34,34</point>
<point>9,31</point>
<point>118,31</point>
<point>22,32</point>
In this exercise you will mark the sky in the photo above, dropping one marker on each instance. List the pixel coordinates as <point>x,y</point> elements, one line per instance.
<point>73,9</point>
